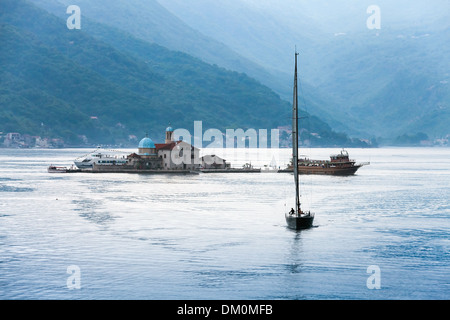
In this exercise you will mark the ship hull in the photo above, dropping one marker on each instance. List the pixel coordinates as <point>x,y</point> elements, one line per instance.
<point>81,165</point>
<point>54,169</point>
<point>337,171</point>
<point>299,222</point>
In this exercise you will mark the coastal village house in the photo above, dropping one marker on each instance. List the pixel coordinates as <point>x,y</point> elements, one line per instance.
<point>214,162</point>
<point>17,140</point>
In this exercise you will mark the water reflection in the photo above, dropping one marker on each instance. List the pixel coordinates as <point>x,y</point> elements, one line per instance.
<point>9,188</point>
<point>295,255</point>
<point>91,210</point>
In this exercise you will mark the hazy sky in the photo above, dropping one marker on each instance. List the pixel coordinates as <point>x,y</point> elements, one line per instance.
<point>333,16</point>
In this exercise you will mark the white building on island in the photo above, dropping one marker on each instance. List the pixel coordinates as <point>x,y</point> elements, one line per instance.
<point>170,155</point>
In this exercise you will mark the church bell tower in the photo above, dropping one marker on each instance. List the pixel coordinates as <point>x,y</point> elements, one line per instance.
<point>169,134</point>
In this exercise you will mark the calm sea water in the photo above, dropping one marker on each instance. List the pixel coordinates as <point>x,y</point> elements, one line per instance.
<point>223,236</point>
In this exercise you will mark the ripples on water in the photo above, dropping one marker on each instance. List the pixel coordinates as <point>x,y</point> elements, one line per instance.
<point>223,236</point>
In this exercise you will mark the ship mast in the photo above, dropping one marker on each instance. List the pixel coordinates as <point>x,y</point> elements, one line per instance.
<point>295,139</point>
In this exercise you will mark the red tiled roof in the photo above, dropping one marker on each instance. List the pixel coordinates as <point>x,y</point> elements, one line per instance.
<point>166,146</point>
<point>133,155</point>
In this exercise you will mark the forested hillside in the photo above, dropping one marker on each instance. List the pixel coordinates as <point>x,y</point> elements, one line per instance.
<point>106,85</point>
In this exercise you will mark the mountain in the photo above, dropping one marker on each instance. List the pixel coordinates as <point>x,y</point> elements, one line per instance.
<point>384,83</point>
<point>151,22</point>
<point>103,84</point>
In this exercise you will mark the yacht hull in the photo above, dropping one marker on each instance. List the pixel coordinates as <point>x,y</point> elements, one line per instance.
<point>299,222</point>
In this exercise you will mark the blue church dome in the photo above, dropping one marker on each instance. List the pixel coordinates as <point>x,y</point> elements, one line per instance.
<point>169,129</point>
<point>146,143</point>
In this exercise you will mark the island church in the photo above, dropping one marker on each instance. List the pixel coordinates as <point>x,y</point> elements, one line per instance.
<point>171,155</point>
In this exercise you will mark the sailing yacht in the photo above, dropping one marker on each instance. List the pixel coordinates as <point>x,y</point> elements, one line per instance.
<point>296,218</point>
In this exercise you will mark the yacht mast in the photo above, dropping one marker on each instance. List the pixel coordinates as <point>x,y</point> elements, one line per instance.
<point>295,139</point>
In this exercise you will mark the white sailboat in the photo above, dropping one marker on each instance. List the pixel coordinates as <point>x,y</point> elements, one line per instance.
<point>272,167</point>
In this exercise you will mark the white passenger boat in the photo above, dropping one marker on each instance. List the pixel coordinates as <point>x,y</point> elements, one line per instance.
<point>101,157</point>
